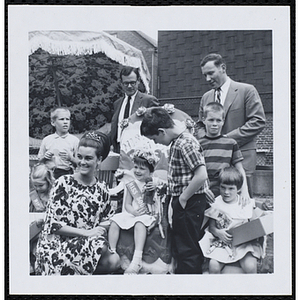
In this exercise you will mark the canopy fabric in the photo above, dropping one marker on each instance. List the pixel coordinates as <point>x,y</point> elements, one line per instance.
<point>88,42</point>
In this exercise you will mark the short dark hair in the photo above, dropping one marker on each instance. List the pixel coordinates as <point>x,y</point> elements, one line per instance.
<point>231,176</point>
<point>216,58</point>
<point>213,106</point>
<point>97,140</point>
<point>126,71</point>
<point>155,118</point>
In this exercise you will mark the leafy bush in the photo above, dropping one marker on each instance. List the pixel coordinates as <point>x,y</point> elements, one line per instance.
<point>88,85</point>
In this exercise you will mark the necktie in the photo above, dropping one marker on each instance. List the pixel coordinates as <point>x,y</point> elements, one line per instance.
<point>218,98</point>
<point>127,108</point>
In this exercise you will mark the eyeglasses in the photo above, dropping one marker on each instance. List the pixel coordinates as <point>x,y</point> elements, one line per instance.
<point>132,83</point>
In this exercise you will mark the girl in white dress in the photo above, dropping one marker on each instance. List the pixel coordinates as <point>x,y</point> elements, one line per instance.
<point>225,213</point>
<point>136,212</point>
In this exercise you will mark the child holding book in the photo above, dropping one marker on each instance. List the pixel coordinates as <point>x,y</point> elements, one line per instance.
<point>226,213</point>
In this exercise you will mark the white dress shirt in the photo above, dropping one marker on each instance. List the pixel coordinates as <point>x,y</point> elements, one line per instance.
<point>121,114</point>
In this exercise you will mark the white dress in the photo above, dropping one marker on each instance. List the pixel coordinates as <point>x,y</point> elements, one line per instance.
<point>229,216</point>
<point>126,220</point>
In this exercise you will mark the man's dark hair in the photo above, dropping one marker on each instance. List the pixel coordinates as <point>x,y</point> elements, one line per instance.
<point>216,58</point>
<point>155,118</point>
<point>127,71</point>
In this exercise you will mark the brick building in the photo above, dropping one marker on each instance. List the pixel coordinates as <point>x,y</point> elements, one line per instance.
<point>147,45</point>
<point>248,56</point>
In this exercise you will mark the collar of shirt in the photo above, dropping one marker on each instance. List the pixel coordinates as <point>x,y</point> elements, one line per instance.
<point>224,90</point>
<point>60,136</point>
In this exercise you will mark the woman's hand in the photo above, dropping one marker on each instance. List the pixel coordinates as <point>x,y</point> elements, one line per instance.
<point>223,235</point>
<point>97,231</point>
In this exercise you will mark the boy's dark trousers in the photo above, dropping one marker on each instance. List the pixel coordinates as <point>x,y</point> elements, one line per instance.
<point>186,233</point>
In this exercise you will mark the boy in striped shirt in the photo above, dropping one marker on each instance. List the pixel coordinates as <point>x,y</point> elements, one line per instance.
<point>219,150</point>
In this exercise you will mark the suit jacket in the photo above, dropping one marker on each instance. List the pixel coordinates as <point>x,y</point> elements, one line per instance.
<point>244,113</point>
<point>140,99</point>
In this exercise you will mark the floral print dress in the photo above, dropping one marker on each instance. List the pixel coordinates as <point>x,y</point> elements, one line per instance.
<point>78,206</point>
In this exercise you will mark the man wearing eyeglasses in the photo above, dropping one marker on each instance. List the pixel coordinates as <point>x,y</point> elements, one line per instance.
<point>128,105</point>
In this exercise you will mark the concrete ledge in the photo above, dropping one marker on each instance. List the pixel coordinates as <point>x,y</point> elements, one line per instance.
<point>263,182</point>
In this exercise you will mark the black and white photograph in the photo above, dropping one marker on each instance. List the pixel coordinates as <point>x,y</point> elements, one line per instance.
<point>153,142</point>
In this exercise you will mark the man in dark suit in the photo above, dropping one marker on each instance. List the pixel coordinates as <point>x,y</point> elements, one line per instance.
<point>244,113</point>
<point>128,105</point>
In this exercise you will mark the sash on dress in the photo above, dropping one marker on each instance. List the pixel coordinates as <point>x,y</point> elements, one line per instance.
<point>137,195</point>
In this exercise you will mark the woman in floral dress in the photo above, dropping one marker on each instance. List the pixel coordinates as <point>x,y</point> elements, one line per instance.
<point>73,241</point>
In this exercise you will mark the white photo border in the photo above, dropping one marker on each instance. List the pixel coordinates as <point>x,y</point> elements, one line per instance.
<point>148,19</point>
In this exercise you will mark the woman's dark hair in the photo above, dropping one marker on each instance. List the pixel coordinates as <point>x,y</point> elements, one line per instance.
<point>140,161</point>
<point>97,140</point>
<point>231,176</point>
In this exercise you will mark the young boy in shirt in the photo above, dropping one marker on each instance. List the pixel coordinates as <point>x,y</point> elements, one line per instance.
<point>58,149</point>
<point>220,151</point>
<point>187,186</point>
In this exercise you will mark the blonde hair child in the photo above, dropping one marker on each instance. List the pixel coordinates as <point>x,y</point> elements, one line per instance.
<point>42,181</point>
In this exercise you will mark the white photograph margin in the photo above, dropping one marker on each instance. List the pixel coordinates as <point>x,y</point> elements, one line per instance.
<point>25,18</point>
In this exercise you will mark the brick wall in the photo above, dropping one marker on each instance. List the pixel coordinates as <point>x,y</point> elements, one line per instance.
<point>265,143</point>
<point>134,39</point>
<point>248,56</point>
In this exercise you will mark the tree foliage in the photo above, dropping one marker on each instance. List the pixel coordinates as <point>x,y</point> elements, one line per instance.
<point>88,85</point>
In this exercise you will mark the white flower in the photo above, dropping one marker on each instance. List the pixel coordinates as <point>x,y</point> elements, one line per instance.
<point>141,111</point>
<point>169,108</point>
<point>124,123</point>
<point>147,154</point>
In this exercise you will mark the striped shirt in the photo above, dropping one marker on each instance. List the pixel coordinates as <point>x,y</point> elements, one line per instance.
<point>219,152</point>
<point>185,156</point>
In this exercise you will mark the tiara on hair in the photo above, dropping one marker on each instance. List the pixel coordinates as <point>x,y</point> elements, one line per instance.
<point>93,136</point>
<point>150,156</point>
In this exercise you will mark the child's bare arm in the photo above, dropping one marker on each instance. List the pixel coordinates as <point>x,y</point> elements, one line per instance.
<point>129,208</point>
<point>200,175</point>
<point>245,198</point>
<point>68,156</point>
